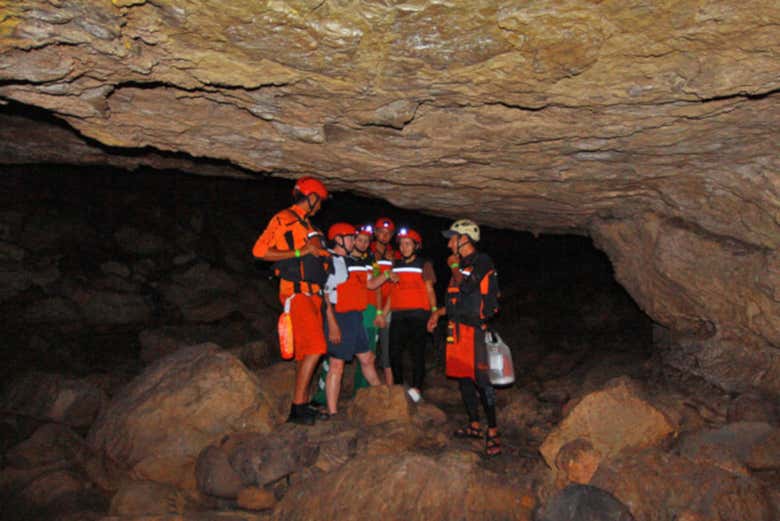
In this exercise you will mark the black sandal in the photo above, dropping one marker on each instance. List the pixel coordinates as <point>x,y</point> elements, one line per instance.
<point>492,444</point>
<point>469,431</point>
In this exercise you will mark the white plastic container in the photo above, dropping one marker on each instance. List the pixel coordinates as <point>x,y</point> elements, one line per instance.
<point>501,369</point>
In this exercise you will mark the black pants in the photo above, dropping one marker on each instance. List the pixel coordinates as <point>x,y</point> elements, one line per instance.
<point>407,332</point>
<point>479,385</point>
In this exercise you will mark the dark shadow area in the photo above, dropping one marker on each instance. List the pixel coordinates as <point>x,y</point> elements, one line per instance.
<point>73,234</point>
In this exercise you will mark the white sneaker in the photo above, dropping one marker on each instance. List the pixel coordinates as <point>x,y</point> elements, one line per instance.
<point>414,394</point>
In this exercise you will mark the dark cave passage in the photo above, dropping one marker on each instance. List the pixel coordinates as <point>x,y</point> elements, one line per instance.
<point>74,233</point>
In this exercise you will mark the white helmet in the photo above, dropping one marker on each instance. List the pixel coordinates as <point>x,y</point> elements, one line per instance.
<point>465,227</point>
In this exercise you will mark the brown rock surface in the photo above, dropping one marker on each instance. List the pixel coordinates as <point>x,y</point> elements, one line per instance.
<point>161,421</point>
<point>380,404</point>
<point>612,419</point>
<point>659,486</point>
<point>450,487</point>
<point>651,126</point>
<point>53,397</point>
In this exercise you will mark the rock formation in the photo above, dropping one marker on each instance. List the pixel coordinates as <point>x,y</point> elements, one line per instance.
<point>651,126</point>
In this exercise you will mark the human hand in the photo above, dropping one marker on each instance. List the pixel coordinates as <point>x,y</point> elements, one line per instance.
<point>432,321</point>
<point>334,333</point>
<point>393,277</point>
<point>380,321</point>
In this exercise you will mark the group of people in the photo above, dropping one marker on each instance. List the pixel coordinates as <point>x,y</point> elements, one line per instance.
<point>345,293</point>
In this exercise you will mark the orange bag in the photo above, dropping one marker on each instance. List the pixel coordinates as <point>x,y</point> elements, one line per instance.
<point>285,327</point>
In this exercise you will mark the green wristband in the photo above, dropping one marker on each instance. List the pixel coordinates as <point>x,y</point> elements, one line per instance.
<point>454,265</point>
<point>379,312</point>
<point>297,253</point>
<point>434,309</point>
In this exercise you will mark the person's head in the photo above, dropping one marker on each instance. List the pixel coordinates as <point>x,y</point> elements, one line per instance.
<point>363,238</point>
<point>462,236</point>
<point>409,241</point>
<point>342,237</point>
<point>309,193</point>
<point>383,230</point>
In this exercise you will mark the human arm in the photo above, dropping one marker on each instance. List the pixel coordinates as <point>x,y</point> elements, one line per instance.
<point>334,333</point>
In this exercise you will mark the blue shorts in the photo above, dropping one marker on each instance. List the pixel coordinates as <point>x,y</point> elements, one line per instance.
<point>354,339</point>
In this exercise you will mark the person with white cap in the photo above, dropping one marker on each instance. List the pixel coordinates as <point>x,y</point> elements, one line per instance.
<point>472,299</point>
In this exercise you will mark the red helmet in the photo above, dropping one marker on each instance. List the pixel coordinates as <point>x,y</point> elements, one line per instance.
<point>340,229</point>
<point>408,232</point>
<point>384,222</point>
<point>366,229</point>
<point>308,185</point>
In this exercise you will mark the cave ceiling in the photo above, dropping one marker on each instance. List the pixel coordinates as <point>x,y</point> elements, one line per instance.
<point>650,125</point>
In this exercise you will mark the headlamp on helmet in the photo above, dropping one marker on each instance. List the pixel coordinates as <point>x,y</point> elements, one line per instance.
<point>384,223</point>
<point>411,234</point>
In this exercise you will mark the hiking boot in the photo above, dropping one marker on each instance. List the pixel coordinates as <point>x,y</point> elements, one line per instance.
<point>301,415</point>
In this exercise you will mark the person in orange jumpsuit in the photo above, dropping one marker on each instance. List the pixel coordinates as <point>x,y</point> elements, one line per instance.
<point>293,244</point>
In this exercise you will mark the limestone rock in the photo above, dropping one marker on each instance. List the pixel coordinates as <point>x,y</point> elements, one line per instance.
<point>660,486</point>
<point>380,404</point>
<point>751,445</point>
<point>663,117</point>
<point>146,498</point>
<point>576,462</point>
<point>450,487</point>
<point>584,503</point>
<point>254,498</point>
<point>752,408</point>
<point>50,444</point>
<point>161,421</point>
<point>612,419</point>
<point>55,398</point>
<point>202,293</point>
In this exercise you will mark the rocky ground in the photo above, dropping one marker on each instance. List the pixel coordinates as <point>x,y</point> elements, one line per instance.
<point>141,382</point>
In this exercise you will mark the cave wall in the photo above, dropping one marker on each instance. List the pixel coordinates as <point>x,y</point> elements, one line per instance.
<point>651,126</point>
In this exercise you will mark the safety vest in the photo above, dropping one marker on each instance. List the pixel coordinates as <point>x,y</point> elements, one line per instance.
<point>410,291</point>
<point>352,294</point>
<point>384,265</point>
<point>308,268</point>
<point>477,306</point>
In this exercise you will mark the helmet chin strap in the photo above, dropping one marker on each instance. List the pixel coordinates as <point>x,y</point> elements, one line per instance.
<point>308,203</point>
<point>461,245</point>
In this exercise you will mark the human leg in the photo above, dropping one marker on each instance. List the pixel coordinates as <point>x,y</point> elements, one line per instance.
<point>397,345</point>
<point>369,370</point>
<point>417,340</point>
<point>371,333</point>
<point>303,372</point>
<point>333,384</point>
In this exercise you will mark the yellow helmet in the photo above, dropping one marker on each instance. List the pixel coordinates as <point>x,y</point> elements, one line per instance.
<point>465,227</point>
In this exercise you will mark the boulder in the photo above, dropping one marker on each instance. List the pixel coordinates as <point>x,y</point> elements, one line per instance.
<point>660,486</point>
<point>576,462</point>
<point>584,503</point>
<point>53,397</point>
<point>147,498</point>
<point>159,423</point>
<point>612,419</point>
<point>735,447</point>
<point>112,307</point>
<point>51,443</point>
<point>202,293</point>
<point>752,408</point>
<point>380,404</point>
<point>413,486</point>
